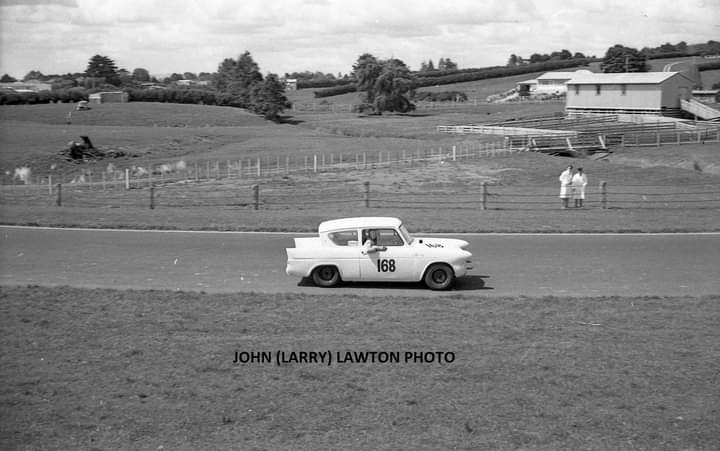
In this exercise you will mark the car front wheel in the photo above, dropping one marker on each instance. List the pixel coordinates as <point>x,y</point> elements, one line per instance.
<point>326,276</point>
<point>439,276</point>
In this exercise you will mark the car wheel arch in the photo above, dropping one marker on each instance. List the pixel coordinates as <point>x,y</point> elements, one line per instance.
<point>436,264</point>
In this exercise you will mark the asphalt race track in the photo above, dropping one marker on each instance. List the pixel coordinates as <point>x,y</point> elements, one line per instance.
<point>505,264</point>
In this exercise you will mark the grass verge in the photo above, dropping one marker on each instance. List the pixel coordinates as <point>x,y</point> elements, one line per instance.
<point>99,369</point>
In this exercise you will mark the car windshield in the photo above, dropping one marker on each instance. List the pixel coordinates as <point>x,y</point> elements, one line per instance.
<point>405,234</point>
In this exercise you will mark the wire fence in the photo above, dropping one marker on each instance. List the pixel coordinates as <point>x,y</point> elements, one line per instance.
<point>284,195</point>
<point>115,174</point>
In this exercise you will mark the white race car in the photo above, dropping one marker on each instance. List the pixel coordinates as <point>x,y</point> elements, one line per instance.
<point>377,249</point>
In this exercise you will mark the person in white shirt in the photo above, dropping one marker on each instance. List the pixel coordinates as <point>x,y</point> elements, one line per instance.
<point>565,181</point>
<point>579,181</point>
<point>370,243</point>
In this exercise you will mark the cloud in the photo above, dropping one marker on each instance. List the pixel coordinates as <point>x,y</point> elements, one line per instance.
<point>57,36</point>
<point>66,3</point>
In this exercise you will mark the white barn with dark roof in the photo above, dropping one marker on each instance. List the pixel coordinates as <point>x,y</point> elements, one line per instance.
<point>654,93</point>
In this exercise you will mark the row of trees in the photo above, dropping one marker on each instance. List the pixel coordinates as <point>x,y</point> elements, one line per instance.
<point>443,64</point>
<point>237,82</point>
<point>561,55</point>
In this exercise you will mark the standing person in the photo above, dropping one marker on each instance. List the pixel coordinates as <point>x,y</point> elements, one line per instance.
<point>565,181</point>
<point>579,181</point>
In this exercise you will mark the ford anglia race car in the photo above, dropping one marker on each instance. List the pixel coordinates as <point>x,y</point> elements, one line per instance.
<point>376,249</point>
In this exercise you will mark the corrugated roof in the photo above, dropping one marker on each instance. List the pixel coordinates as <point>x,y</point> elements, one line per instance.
<point>563,75</point>
<point>622,78</point>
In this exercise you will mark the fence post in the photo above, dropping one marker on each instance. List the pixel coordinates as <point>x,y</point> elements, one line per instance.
<point>256,196</point>
<point>367,194</point>
<point>127,179</point>
<point>50,184</point>
<point>603,194</point>
<point>454,156</point>
<point>59,194</point>
<point>484,196</point>
<point>315,163</point>
<point>152,197</point>
<point>259,170</point>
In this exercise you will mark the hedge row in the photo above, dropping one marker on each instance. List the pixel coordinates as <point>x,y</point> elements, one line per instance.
<point>193,96</point>
<point>497,72</point>
<point>440,77</point>
<point>335,91</point>
<point>31,98</point>
<point>445,96</point>
<point>713,65</point>
<point>303,84</point>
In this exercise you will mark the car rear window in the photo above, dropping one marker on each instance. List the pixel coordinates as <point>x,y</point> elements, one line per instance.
<point>343,237</point>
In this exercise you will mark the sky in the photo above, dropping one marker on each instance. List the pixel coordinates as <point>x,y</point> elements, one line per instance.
<point>283,36</point>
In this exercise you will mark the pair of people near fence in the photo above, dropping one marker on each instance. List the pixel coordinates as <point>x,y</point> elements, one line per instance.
<point>572,185</point>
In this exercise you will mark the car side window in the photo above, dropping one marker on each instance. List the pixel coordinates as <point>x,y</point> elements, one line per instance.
<point>389,237</point>
<point>343,237</point>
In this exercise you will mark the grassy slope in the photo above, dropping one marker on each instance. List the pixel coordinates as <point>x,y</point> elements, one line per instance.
<point>101,369</point>
<point>159,133</point>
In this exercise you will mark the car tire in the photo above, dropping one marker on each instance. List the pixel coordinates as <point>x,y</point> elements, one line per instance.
<point>326,276</point>
<point>439,276</point>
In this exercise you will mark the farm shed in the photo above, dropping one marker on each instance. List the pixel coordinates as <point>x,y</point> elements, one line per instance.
<point>548,83</point>
<point>653,93</point>
<point>108,97</point>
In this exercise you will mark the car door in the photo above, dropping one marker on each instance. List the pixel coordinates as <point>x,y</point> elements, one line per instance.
<point>394,260</point>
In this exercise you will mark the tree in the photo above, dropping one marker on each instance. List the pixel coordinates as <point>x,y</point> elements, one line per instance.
<point>235,79</point>
<point>366,71</point>
<point>7,79</point>
<point>623,59</point>
<point>33,75</point>
<point>268,98</point>
<point>513,60</point>
<point>427,66</point>
<point>141,75</point>
<point>103,67</point>
<point>173,78</point>
<point>385,83</point>
<point>447,64</point>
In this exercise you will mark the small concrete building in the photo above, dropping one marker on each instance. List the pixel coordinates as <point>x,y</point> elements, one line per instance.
<point>108,97</point>
<point>291,84</point>
<point>653,93</point>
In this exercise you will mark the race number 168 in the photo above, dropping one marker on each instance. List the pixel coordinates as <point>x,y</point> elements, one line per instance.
<point>386,265</point>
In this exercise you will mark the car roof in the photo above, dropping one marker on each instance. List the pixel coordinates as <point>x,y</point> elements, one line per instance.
<point>355,223</point>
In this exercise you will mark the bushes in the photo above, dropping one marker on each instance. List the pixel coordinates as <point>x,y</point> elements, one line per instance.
<point>446,77</point>
<point>440,77</point>
<point>187,96</point>
<point>336,91</point>
<point>445,96</point>
<point>304,84</point>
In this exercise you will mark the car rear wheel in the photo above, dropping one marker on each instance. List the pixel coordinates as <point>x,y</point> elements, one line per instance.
<point>439,276</point>
<point>326,276</point>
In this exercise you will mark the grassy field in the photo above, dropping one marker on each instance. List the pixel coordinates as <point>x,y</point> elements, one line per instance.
<point>104,369</point>
<point>434,193</point>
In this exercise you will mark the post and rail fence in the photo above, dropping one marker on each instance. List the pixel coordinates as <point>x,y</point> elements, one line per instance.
<point>273,195</point>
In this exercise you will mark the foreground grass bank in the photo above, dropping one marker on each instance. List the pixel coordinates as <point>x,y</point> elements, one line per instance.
<point>428,220</point>
<point>99,369</point>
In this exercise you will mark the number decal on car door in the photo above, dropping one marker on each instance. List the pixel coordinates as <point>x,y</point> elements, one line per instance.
<point>386,265</point>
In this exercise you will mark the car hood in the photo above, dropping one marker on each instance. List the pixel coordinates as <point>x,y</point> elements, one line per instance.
<point>438,243</point>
